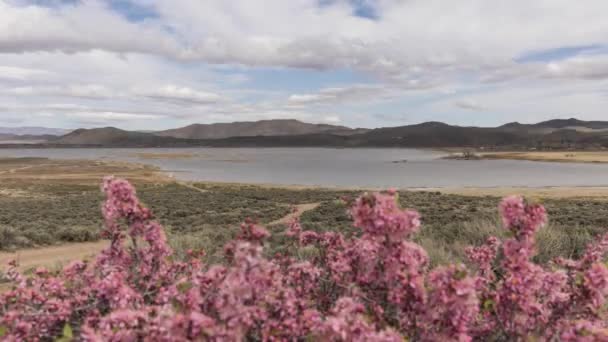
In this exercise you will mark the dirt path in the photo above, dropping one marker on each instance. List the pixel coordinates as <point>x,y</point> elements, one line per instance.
<point>300,209</point>
<point>20,169</point>
<point>62,254</point>
<point>52,256</point>
<point>190,186</point>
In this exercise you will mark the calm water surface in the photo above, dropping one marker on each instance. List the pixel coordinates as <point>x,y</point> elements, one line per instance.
<point>342,167</point>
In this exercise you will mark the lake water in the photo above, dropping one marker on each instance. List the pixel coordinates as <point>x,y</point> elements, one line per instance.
<point>378,168</point>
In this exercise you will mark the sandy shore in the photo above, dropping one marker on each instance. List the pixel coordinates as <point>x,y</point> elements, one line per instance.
<point>17,174</point>
<point>21,171</point>
<point>56,171</point>
<point>543,156</point>
<point>542,192</point>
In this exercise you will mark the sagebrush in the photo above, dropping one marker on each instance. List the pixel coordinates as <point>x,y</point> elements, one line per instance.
<point>373,285</point>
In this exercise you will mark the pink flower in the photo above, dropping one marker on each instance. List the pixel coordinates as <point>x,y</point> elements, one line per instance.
<point>584,331</point>
<point>452,305</point>
<point>596,283</point>
<point>520,217</point>
<point>379,215</point>
<point>374,286</point>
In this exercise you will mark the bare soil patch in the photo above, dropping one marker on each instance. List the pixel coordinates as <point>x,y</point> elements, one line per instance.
<point>299,209</point>
<point>149,155</point>
<point>562,156</point>
<point>52,256</point>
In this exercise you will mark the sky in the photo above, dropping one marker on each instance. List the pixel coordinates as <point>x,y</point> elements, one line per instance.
<point>158,64</point>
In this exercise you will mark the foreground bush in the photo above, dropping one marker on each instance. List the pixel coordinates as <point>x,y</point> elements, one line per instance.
<point>376,286</point>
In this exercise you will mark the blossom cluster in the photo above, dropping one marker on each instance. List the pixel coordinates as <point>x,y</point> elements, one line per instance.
<point>376,285</point>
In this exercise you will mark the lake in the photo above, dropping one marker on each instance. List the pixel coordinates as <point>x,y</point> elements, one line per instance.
<point>378,168</point>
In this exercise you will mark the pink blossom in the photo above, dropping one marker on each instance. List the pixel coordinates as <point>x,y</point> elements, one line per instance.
<point>452,305</point>
<point>378,214</point>
<point>520,217</point>
<point>596,283</point>
<point>373,286</point>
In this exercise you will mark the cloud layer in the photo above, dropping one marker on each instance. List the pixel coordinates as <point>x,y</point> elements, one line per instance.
<point>152,64</point>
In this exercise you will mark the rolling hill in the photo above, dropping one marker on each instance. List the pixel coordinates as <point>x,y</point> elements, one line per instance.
<point>255,128</point>
<point>6,138</point>
<point>34,131</point>
<point>114,137</point>
<point>557,124</point>
<point>553,134</point>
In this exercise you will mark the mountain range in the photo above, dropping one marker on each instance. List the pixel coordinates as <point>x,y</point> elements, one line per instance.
<point>552,134</point>
<point>255,128</point>
<point>31,131</point>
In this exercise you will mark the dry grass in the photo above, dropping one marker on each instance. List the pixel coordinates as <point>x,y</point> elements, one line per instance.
<point>52,256</point>
<point>47,202</point>
<point>150,155</point>
<point>582,192</point>
<point>41,170</point>
<point>596,193</point>
<point>299,209</point>
<point>562,156</point>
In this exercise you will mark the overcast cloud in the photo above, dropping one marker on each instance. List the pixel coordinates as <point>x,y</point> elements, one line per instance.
<point>151,64</point>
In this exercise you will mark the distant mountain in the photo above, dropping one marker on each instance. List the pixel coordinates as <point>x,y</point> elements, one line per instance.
<point>34,131</point>
<point>570,123</point>
<point>438,134</point>
<point>557,124</point>
<point>553,134</point>
<point>114,137</point>
<point>556,134</point>
<point>255,128</point>
<point>25,139</point>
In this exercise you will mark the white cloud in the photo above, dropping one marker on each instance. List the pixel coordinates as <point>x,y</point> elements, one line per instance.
<point>173,93</point>
<point>17,73</point>
<point>338,94</point>
<point>525,102</point>
<point>82,26</point>
<point>332,119</point>
<point>469,104</point>
<point>429,57</point>
<point>301,34</point>
<point>104,117</point>
<point>585,67</point>
<point>78,90</point>
<point>361,93</point>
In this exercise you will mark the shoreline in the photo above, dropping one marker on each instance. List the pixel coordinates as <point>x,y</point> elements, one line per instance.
<point>585,157</point>
<point>570,156</point>
<point>498,191</point>
<point>91,172</point>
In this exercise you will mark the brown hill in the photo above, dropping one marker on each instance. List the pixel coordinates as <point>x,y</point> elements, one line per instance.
<point>114,137</point>
<point>554,134</point>
<point>254,128</point>
<point>438,135</point>
<point>34,131</point>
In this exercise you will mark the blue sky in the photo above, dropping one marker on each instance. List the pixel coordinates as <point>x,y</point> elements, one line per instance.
<point>153,64</point>
<point>560,53</point>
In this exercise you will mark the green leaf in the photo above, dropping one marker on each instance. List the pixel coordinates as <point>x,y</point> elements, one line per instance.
<point>460,274</point>
<point>68,335</point>
<point>3,330</point>
<point>183,287</point>
<point>579,280</point>
<point>488,305</point>
<point>67,331</point>
<point>310,338</point>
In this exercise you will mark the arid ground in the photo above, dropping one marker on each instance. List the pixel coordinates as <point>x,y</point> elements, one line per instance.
<point>50,212</point>
<point>550,156</point>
